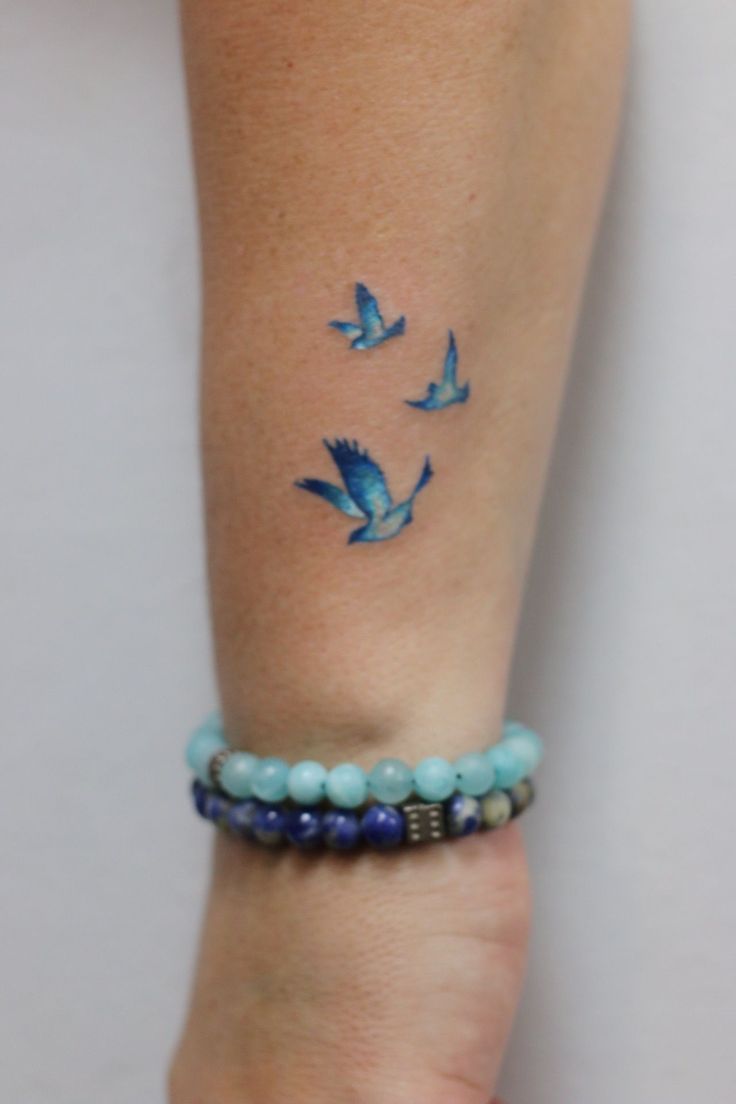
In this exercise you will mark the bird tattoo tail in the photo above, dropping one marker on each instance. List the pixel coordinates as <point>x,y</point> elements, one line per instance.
<point>397,328</point>
<point>424,478</point>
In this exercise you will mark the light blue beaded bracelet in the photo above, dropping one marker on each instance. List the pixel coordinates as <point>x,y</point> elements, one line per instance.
<point>391,782</point>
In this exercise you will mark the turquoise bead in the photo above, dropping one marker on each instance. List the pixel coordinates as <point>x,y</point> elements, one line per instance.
<point>206,741</point>
<point>507,766</point>
<point>474,773</point>
<point>271,779</point>
<point>434,779</point>
<point>347,786</point>
<point>307,782</point>
<point>526,745</point>
<point>509,727</point>
<point>236,776</point>
<point>390,781</point>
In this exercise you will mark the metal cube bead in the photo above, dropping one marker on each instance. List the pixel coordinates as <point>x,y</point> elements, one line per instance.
<point>424,823</point>
<point>216,764</point>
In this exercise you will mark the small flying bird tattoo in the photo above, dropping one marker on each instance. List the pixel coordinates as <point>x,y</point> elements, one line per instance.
<point>447,391</point>
<point>366,494</point>
<point>370,330</point>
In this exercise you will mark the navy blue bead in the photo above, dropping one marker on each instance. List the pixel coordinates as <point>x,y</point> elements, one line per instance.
<point>463,815</point>
<point>216,807</point>
<point>304,827</point>
<point>241,817</point>
<point>199,796</point>
<point>269,823</point>
<point>340,829</point>
<point>383,826</point>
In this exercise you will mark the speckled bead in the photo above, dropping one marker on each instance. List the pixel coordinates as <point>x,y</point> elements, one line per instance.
<point>508,769</point>
<point>241,817</point>
<point>205,742</point>
<point>434,779</point>
<point>236,775</point>
<point>304,827</point>
<point>496,809</point>
<point>270,779</point>
<point>269,824</point>
<point>526,746</point>
<point>390,781</point>
<point>340,829</point>
<point>521,796</point>
<point>347,786</point>
<point>382,827</point>
<point>307,782</point>
<point>462,815</point>
<point>474,773</point>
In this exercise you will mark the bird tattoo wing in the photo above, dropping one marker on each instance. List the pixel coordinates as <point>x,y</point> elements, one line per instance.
<point>348,328</point>
<point>368,311</point>
<point>332,494</point>
<point>363,479</point>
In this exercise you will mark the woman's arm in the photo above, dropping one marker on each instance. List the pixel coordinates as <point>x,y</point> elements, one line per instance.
<point>450,157</point>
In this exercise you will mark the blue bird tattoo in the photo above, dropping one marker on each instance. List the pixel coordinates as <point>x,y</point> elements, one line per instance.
<point>366,495</point>
<point>370,330</point>
<point>447,391</point>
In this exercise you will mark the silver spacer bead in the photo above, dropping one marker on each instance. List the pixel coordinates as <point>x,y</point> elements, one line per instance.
<point>425,823</point>
<point>217,762</point>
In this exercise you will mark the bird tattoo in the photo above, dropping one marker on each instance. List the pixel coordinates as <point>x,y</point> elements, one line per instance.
<point>366,494</point>
<point>370,330</point>
<point>447,391</point>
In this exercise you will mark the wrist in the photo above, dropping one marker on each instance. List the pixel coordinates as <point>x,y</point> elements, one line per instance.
<point>384,983</point>
<point>447,716</point>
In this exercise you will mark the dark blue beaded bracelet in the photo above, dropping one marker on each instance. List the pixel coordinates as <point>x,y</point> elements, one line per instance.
<point>381,827</point>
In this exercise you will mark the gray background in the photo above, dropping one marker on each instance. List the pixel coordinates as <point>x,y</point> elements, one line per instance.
<point>626,658</point>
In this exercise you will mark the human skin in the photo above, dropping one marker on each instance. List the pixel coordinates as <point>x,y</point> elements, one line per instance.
<point>452,156</point>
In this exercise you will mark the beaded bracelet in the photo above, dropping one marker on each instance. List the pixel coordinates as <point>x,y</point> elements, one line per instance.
<point>382,827</point>
<point>239,774</point>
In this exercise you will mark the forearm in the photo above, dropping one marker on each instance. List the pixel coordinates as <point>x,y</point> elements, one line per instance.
<point>413,147</point>
<point>450,156</point>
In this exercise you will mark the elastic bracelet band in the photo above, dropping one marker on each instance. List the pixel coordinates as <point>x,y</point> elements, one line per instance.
<point>380,827</point>
<point>391,782</point>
